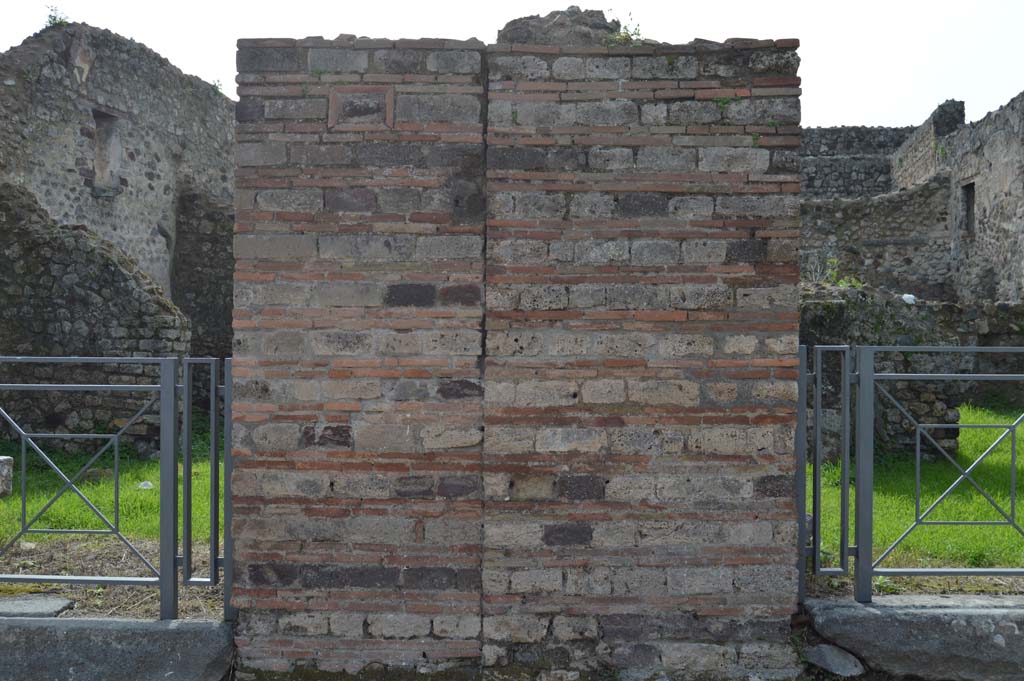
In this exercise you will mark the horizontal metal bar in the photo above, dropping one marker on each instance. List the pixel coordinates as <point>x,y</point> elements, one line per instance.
<point>71,436</point>
<point>965,522</point>
<point>50,530</point>
<point>950,572</point>
<point>24,359</point>
<point>220,560</point>
<point>198,581</point>
<point>88,579</point>
<point>833,572</point>
<point>966,425</point>
<point>949,377</point>
<point>79,387</point>
<point>943,348</point>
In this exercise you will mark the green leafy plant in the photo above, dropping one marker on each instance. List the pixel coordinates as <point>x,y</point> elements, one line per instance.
<point>55,17</point>
<point>218,86</point>
<point>723,102</point>
<point>833,277</point>
<point>629,32</point>
<point>885,585</point>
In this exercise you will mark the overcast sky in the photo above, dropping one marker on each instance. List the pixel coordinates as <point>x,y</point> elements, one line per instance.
<point>868,62</point>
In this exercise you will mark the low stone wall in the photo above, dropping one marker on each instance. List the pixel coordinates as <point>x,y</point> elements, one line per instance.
<point>832,315</point>
<point>64,291</point>
<point>901,241</point>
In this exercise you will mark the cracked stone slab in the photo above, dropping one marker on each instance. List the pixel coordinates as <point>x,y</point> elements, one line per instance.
<point>34,605</point>
<point>936,638</point>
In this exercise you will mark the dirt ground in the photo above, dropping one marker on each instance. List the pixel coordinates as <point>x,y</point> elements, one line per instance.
<point>842,587</point>
<point>75,555</point>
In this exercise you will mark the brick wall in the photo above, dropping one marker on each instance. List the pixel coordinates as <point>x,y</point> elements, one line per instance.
<point>526,403</point>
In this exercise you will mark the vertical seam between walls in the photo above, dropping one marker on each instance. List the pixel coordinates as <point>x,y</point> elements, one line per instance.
<point>484,101</point>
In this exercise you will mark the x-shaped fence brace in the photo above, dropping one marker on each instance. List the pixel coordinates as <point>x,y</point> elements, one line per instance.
<point>28,439</point>
<point>965,476</point>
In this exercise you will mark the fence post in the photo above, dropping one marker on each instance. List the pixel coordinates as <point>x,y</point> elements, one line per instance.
<point>168,488</point>
<point>865,472</point>
<point>230,613</point>
<point>801,476</point>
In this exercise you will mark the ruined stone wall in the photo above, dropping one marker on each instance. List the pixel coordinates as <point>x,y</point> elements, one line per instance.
<point>901,241</point>
<point>925,153</point>
<point>108,134</point>
<point>968,251</point>
<point>848,162</point>
<point>986,159</point>
<point>833,315</point>
<point>72,293</point>
<point>203,271</point>
<point>591,470</point>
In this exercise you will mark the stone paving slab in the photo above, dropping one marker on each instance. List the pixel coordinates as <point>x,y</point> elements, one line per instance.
<point>33,605</point>
<point>936,638</point>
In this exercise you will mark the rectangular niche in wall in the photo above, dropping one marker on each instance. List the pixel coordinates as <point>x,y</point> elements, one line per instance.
<point>107,164</point>
<point>967,208</point>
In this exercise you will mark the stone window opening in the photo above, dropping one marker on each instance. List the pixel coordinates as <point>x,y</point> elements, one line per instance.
<point>109,150</point>
<point>967,208</point>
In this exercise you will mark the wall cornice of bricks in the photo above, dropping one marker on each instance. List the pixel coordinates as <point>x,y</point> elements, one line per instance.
<point>515,357</point>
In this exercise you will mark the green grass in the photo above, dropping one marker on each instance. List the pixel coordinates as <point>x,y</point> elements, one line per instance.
<point>938,546</point>
<point>139,507</point>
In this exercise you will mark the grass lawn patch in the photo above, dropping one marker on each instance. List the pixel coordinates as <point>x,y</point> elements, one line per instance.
<point>139,507</point>
<point>976,546</point>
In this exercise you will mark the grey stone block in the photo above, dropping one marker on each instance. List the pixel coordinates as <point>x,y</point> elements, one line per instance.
<point>969,638</point>
<point>438,108</point>
<point>270,59</point>
<point>48,649</point>
<point>834,660</point>
<point>338,61</point>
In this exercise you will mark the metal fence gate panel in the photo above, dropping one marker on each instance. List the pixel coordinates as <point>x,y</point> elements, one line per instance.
<point>858,387</point>
<point>173,402</point>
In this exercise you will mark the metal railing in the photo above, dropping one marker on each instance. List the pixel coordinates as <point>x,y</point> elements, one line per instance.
<point>173,402</point>
<point>860,385</point>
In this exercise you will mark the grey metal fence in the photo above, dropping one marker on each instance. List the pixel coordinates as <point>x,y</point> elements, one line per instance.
<point>856,385</point>
<point>170,399</point>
